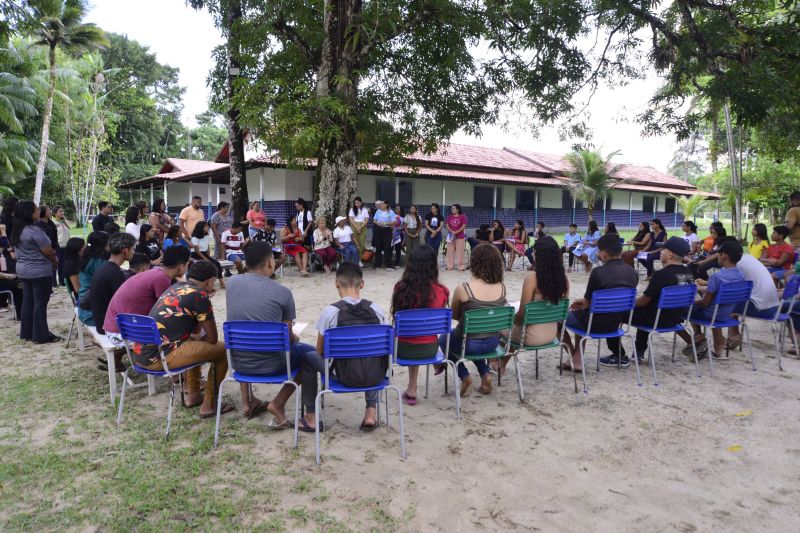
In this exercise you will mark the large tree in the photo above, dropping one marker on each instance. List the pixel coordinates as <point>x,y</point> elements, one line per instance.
<point>59,25</point>
<point>347,81</point>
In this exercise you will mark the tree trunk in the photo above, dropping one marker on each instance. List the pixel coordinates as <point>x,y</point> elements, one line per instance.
<point>590,210</point>
<point>337,76</point>
<point>736,184</point>
<point>713,146</point>
<point>48,115</point>
<point>238,183</point>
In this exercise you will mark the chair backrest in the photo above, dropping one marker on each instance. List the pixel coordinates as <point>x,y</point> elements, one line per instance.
<point>618,300</point>
<point>138,328</point>
<point>348,342</point>
<point>255,336</point>
<point>677,297</point>
<point>488,320</point>
<point>422,322</point>
<point>792,288</point>
<point>733,292</point>
<point>546,312</point>
<point>622,241</point>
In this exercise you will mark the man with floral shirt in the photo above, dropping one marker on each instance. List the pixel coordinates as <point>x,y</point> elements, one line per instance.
<point>185,319</point>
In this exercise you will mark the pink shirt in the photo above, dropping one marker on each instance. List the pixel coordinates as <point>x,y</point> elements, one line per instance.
<point>136,296</point>
<point>257,218</point>
<point>456,221</point>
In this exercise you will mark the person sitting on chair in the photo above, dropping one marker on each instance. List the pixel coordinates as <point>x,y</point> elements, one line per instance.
<point>613,274</point>
<point>185,319</point>
<point>571,240</point>
<point>351,310</point>
<point>254,296</point>
<point>232,240</point>
<point>673,272</point>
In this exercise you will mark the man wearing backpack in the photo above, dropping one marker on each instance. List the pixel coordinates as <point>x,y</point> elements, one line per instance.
<point>351,310</point>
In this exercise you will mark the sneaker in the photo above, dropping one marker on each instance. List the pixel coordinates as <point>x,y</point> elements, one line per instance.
<point>701,346</point>
<point>611,360</point>
<point>361,264</point>
<point>389,269</point>
<point>227,273</point>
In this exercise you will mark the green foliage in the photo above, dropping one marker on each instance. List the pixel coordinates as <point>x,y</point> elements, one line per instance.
<point>590,176</point>
<point>207,138</point>
<point>692,206</point>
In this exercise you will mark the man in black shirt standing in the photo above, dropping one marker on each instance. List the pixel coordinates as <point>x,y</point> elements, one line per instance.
<point>674,272</point>
<point>103,216</point>
<point>614,274</point>
<point>109,276</point>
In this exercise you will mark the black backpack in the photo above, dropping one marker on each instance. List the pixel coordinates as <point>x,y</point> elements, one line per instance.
<point>359,372</point>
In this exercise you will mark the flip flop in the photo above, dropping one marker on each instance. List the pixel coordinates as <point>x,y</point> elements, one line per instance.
<point>438,369</point>
<point>257,409</point>
<point>273,424</point>
<point>409,400</point>
<point>565,366</point>
<point>367,427</point>
<point>307,428</point>
<point>226,408</point>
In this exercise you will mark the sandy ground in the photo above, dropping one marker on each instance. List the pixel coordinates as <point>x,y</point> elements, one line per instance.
<point>692,454</point>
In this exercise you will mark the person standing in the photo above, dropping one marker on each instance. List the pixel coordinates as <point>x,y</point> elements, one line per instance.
<point>132,216</point>
<point>383,224</point>
<point>456,238</point>
<point>398,234</point>
<point>256,220</point>
<point>793,220</point>
<point>160,220</point>
<point>433,227</point>
<point>62,230</point>
<point>359,217</point>
<point>221,222</point>
<point>190,216</point>
<point>305,221</point>
<point>36,262</point>
<point>103,216</point>
<point>48,226</point>
<point>412,225</point>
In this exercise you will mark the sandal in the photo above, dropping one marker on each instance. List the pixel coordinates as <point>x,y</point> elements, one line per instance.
<point>565,366</point>
<point>438,369</point>
<point>308,428</point>
<point>256,410</point>
<point>409,400</point>
<point>367,427</point>
<point>226,408</point>
<point>733,344</point>
<point>273,424</point>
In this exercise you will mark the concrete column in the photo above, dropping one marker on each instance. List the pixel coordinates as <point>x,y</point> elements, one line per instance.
<point>190,192</point>
<point>535,206</point>
<point>605,203</point>
<point>151,196</point>
<point>630,208</point>
<point>444,194</point>
<point>494,202</point>
<point>396,190</point>
<point>261,187</point>
<point>209,198</point>
<point>166,200</point>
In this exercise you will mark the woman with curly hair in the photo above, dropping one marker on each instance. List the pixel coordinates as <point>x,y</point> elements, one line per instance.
<point>516,243</point>
<point>418,288</point>
<point>547,282</point>
<point>485,289</point>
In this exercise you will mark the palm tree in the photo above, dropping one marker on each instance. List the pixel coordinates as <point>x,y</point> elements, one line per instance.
<point>692,205</point>
<point>58,25</point>
<point>590,177</point>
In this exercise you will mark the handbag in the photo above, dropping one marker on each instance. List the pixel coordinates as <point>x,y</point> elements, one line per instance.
<point>367,255</point>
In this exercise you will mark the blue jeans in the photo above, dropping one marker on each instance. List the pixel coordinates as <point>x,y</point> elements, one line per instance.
<point>755,312</point>
<point>435,242</point>
<point>529,255</point>
<point>350,252</point>
<point>474,347</point>
<point>313,364</point>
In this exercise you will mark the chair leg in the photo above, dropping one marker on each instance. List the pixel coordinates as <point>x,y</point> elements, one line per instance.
<point>536,361</point>
<point>69,335</point>
<point>636,362</point>
<point>219,411</point>
<point>519,378</point>
<point>456,391</point>
<point>386,401</point>
<point>674,345</point>
<point>112,375</point>
<point>651,356</point>
<point>400,414</point>
<point>317,404</point>
<point>427,378</point>
<point>746,331</point>
<point>122,396</point>
<point>445,379</point>
<point>708,350</point>
<point>582,351</point>
<point>297,397</point>
<point>777,336</point>
<point>169,409</point>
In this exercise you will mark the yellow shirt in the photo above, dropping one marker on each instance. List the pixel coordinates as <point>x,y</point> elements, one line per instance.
<point>191,217</point>
<point>757,249</point>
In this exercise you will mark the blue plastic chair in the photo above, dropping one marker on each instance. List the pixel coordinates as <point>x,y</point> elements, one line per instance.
<point>353,342</point>
<point>782,317</point>
<point>603,302</point>
<point>143,329</point>
<point>263,337</point>
<point>730,293</point>
<point>675,297</point>
<point>425,323</point>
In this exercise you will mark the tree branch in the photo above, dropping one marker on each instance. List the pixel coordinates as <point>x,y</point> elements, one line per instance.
<point>291,35</point>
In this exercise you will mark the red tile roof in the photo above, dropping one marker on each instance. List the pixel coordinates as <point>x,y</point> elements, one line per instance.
<point>464,174</point>
<point>477,156</point>
<point>175,167</point>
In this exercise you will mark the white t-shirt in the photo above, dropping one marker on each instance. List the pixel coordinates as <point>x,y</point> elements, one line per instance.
<point>132,229</point>
<point>691,240</point>
<point>343,235</point>
<point>363,215</point>
<point>764,295</point>
<point>202,244</point>
<point>302,221</point>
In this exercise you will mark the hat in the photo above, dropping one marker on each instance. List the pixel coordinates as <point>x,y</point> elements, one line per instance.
<point>677,246</point>
<point>339,219</point>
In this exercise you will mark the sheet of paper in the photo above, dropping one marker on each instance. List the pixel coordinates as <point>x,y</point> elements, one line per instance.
<point>298,327</point>
<point>515,305</point>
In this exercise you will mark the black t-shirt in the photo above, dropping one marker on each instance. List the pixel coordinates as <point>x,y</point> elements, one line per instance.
<point>668,276</point>
<point>482,235</point>
<point>99,221</point>
<point>498,234</point>
<point>434,221</point>
<point>50,230</point>
<point>613,275</point>
<point>152,249</point>
<point>106,280</point>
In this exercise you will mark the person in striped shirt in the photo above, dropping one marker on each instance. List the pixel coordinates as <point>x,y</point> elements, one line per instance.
<point>232,240</point>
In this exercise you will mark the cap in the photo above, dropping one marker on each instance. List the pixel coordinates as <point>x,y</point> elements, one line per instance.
<point>339,219</point>
<point>677,246</point>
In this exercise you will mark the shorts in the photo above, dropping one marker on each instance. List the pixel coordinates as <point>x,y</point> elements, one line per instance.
<point>755,312</point>
<point>235,256</point>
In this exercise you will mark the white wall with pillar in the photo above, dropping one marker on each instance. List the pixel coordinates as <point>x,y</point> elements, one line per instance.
<point>550,197</point>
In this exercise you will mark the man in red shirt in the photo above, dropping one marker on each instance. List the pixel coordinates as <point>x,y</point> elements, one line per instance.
<point>139,293</point>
